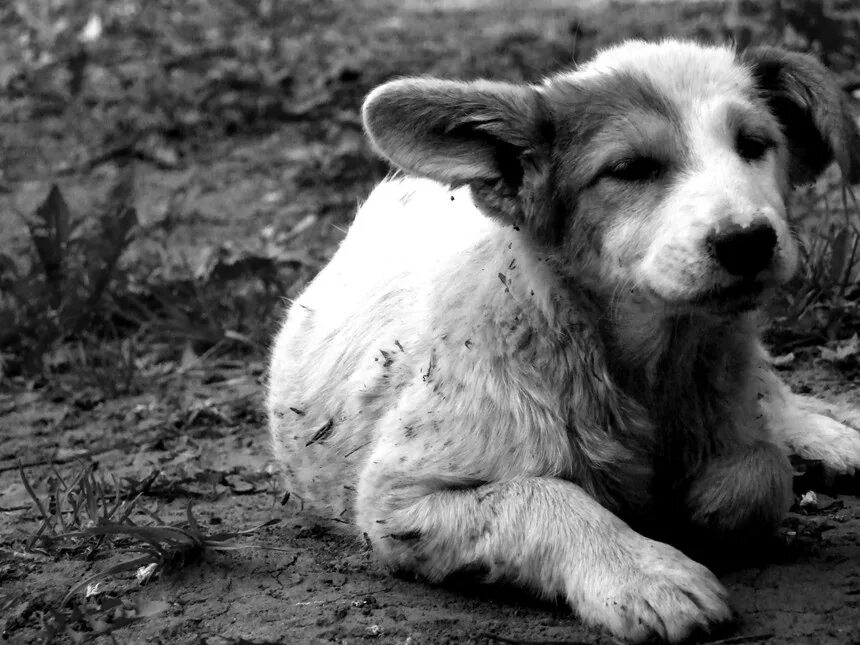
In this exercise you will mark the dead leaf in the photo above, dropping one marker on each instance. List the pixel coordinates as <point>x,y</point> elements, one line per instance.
<point>809,500</point>
<point>843,352</point>
<point>784,361</point>
<point>50,233</point>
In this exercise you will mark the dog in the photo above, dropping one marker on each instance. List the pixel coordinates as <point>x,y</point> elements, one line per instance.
<point>540,344</point>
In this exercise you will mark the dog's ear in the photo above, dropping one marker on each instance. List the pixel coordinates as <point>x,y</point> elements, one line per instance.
<point>812,109</point>
<point>495,137</point>
<point>454,132</point>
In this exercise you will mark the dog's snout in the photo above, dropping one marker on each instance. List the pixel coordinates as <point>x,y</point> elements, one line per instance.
<point>744,251</point>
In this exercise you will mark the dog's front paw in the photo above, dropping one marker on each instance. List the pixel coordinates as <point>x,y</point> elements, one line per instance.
<point>660,593</point>
<point>833,443</point>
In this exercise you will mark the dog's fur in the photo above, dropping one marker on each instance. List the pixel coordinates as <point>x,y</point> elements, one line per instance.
<point>528,350</point>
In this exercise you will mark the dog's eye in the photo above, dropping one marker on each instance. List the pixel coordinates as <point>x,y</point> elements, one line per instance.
<point>752,148</point>
<point>635,169</point>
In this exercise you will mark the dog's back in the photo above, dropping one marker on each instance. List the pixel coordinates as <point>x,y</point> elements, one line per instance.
<point>337,362</point>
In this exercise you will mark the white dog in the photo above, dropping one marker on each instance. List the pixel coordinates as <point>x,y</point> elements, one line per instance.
<point>546,335</point>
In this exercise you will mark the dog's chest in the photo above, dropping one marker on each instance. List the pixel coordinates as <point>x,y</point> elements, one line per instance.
<point>697,389</point>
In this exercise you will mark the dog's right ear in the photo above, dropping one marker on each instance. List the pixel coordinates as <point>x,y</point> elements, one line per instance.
<point>455,132</point>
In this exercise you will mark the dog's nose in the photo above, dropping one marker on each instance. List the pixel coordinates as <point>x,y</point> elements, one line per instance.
<point>744,251</point>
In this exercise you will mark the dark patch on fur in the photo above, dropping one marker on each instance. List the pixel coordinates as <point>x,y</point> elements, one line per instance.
<point>610,434</point>
<point>606,107</point>
<point>583,109</point>
<point>810,106</point>
<point>700,364</point>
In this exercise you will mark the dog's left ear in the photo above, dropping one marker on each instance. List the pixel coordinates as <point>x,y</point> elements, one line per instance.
<point>813,110</point>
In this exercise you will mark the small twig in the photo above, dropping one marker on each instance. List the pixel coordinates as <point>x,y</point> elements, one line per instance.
<point>735,640</point>
<point>119,151</point>
<point>123,151</point>
<point>87,455</point>
<point>354,450</point>
<point>322,434</point>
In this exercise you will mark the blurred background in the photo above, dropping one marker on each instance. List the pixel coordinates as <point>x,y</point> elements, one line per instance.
<point>170,172</point>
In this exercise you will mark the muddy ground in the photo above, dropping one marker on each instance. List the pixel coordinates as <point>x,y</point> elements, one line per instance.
<point>241,121</point>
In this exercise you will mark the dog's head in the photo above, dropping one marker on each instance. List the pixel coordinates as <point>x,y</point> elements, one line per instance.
<point>660,168</point>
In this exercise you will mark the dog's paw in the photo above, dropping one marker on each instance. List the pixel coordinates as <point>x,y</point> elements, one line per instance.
<point>661,594</point>
<point>833,443</point>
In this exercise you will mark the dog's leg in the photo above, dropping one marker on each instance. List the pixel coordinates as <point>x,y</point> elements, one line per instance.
<point>811,428</point>
<point>549,535</point>
<point>743,494</point>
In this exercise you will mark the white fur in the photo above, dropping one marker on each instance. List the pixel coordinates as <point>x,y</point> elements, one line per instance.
<point>680,69</point>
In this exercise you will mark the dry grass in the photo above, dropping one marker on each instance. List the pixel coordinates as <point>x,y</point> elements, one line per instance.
<point>93,517</point>
<point>822,303</point>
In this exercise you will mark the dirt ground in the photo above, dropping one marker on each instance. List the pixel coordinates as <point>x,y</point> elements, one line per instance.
<point>263,174</point>
<point>208,444</point>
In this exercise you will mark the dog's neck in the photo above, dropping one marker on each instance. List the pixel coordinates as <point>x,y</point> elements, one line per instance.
<point>650,347</point>
<point>654,344</point>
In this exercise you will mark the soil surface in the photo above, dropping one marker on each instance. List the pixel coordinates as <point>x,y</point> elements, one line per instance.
<point>252,162</point>
<point>207,441</point>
